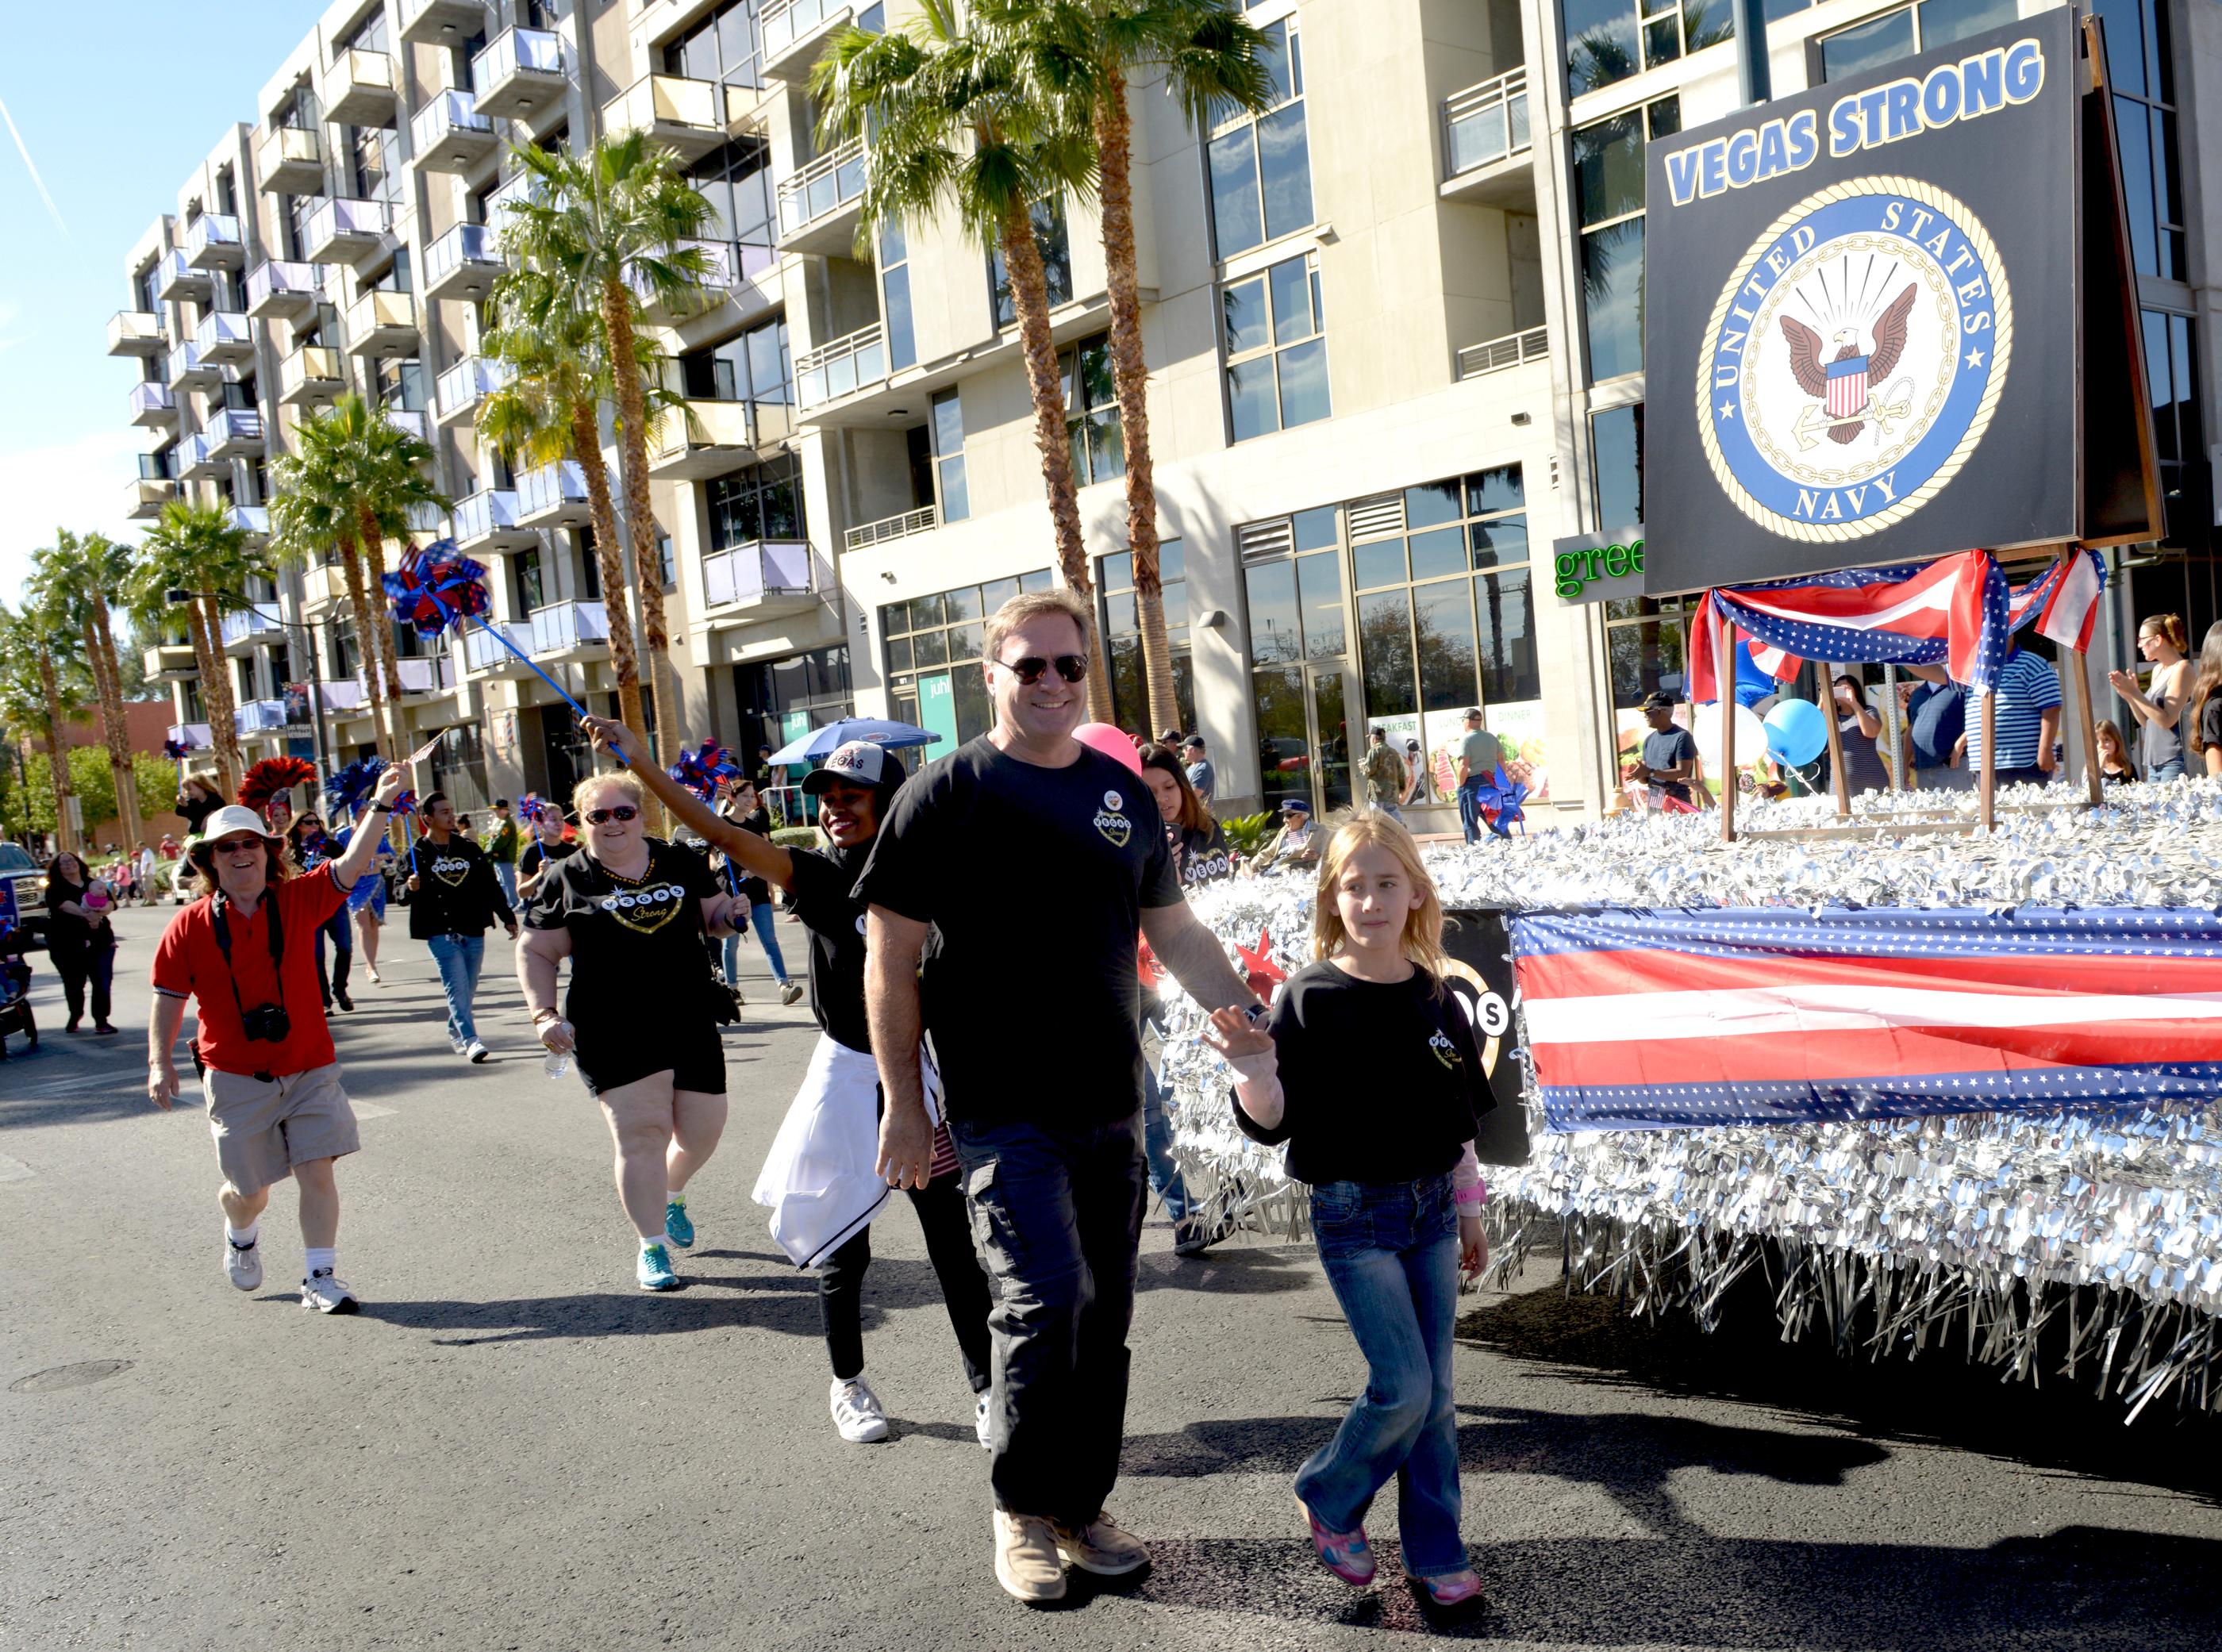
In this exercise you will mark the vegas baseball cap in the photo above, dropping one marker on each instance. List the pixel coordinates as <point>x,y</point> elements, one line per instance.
<point>859,762</point>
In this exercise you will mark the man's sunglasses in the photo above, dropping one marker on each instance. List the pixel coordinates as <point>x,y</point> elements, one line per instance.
<point>622,812</point>
<point>234,845</point>
<point>1029,670</point>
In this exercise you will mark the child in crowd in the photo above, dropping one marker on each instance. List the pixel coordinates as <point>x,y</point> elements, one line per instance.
<point>1367,1067</point>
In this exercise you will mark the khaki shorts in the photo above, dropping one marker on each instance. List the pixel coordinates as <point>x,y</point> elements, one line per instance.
<point>263,1129</point>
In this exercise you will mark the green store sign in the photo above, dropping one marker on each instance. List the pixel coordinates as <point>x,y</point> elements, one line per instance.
<point>1596,567</point>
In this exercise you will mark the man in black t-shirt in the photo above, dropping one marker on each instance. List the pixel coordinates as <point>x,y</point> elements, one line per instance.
<point>1019,868</point>
<point>453,897</point>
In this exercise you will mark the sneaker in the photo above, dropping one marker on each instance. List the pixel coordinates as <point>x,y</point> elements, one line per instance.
<point>1028,1563</point>
<point>789,992</point>
<point>456,1044</point>
<point>340,997</point>
<point>476,1050</point>
<point>1345,1554</point>
<point>328,1295</point>
<point>243,1264</point>
<point>1100,1547</point>
<point>1192,1235</point>
<point>676,1228</point>
<point>1451,1589</point>
<point>376,979</point>
<point>857,1412</point>
<point>102,1027</point>
<point>983,1426</point>
<point>654,1269</point>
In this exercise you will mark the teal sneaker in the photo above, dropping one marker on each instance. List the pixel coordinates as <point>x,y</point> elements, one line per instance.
<point>676,1228</point>
<point>655,1269</point>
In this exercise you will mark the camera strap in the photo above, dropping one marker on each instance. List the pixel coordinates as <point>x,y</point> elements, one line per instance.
<point>276,936</point>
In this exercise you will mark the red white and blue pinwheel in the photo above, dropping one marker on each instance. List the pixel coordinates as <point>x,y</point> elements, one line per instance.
<point>700,771</point>
<point>437,587</point>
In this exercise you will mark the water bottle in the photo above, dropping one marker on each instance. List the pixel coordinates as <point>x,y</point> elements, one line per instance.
<point>555,1065</point>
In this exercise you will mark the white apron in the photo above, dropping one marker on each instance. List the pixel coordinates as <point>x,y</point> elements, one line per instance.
<point>818,1180</point>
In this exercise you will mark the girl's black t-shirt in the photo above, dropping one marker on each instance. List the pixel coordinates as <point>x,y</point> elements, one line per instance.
<point>834,918</point>
<point>637,963</point>
<point>1384,1082</point>
<point>1204,855</point>
<point>2210,720</point>
<point>536,851</point>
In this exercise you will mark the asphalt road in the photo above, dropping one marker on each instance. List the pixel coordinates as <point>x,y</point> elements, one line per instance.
<point>512,1447</point>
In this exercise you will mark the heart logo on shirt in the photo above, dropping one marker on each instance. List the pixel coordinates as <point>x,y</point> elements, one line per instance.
<point>1444,1051</point>
<point>645,910</point>
<point>451,869</point>
<point>1116,828</point>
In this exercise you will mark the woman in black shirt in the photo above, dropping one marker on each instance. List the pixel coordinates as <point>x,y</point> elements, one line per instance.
<point>312,846</point>
<point>79,938</point>
<point>842,1088</point>
<point>630,912</point>
<point>1367,1067</point>
<point>545,822</point>
<point>200,795</point>
<point>2204,714</point>
<point>1199,843</point>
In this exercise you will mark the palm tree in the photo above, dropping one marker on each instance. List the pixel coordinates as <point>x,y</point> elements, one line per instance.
<point>604,226</point>
<point>347,487</point>
<point>75,574</point>
<point>41,684</point>
<point>957,117</point>
<point>550,410</point>
<point>198,548</point>
<point>1214,63</point>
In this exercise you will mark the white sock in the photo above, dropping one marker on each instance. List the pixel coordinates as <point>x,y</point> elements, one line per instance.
<point>245,1236</point>
<point>677,1198</point>
<point>654,1238</point>
<point>320,1260</point>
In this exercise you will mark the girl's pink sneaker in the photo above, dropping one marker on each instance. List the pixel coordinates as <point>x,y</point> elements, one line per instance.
<point>1451,1589</point>
<point>1345,1554</point>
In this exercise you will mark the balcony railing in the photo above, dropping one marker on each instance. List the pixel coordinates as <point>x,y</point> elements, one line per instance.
<point>733,267</point>
<point>189,372</point>
<point>261,717</point>
<point>346,229</point>
<point>408,421</point>
<point>196,462</point>
<point>425,517</point>
<point>136,332</point>
<point>421,674</point>
<point>848,363</point>
<point>520,73</point>
<point>212,242</point>
<point>382,323</point>
<point>225,338</point>
<point>144,496</point>
<point>175,279</point>
<point>290,161</point>
<point>1485,123</point>
<point>359,88</point>
<point>152,404</point>
<point>486,515</point>
<point>690,117</point>
<point>518,187</point>
<point>925,520</point>
<point>563,627</point>
<point>449,135</point>
<point>464,264</point>
<point>824,187</point>
<point>1499,354</point>
<point>283,287</point>
<point>252,520</point>
<point>551,492</point>
<point>312,374</point>
<point>483,653</point>
<point>785,24</point>
<point>761,569</point>
<point>235,433</point>
<point>259,619</point>
<point>462,387</point>
<point>704,438</point>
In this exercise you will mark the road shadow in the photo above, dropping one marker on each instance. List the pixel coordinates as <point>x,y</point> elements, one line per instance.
<point>1935,1398</point>
<point>1238,1272</point>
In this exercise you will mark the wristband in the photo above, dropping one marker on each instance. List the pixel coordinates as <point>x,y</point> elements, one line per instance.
<point>1476,1195</point>
<point>381,808</point>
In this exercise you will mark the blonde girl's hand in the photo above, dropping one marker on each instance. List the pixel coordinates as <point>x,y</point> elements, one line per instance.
<point>1247,1045</point>
<point>1473,1246</point>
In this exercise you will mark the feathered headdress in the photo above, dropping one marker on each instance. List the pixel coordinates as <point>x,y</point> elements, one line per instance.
<point>347,789</point>
<point>266,779</point>
<point>700,770</point>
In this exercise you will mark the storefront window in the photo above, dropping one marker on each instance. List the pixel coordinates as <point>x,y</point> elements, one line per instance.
<point>1299,640</point>
<point>933,648</point>
<point>1609,199</point>
<point>783,700</point>
<point>1122,638</point>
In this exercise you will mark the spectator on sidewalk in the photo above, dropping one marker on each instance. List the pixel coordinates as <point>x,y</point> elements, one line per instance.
<point>1202,778</point>
<point>1386,778</point>
<point>2158,706</point>
<point>1478,754</point>
<point>501,850</point>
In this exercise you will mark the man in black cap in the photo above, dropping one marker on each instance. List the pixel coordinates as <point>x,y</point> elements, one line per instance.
<point>1202,779</point>
<point>1669,757</point>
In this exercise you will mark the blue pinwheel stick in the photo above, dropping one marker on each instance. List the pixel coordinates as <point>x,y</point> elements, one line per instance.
<point>426,584</point>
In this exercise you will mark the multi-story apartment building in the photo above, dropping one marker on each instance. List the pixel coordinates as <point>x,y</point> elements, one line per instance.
<point>1394,324</point>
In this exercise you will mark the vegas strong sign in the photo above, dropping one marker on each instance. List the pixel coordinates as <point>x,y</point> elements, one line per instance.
<point>1860,326</point>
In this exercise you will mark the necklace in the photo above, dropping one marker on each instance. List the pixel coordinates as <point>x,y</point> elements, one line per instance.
<point>646,872</point>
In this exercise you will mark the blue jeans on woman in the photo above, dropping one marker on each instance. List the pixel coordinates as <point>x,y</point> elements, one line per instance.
<point>2170,770</point>
<point>1390,1252</point>
<point>459,958</point>
<point>764,916</point>
<point>343,939</point>
<point>1166,1179</point>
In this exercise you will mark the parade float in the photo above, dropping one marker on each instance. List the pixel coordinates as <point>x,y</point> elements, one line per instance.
<point>1944,1069</point>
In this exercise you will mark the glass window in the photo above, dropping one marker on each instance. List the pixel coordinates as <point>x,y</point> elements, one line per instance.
<point>1608,40</point>
<point>1617,447</point>
<point>932,647</point>
<point>947,430</point>
<point>1091,411</point>
<point>1318,586</point>
<point>895,293</point>
<point>1275,631</point>
<point>1260,166</point>
<point>1122,640</point>
<point>1277,354</point>
<point>761,502</point>
<point>724,45</point>
<point>1056,264</point>
<point>1609,201</point>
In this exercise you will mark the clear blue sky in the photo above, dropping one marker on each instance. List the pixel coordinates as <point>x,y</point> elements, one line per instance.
<point>114,103</point>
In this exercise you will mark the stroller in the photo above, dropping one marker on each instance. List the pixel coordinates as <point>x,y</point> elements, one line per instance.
<point>15,991</point>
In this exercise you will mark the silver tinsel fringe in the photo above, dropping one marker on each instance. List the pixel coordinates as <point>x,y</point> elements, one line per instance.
<point>2083,1244</point>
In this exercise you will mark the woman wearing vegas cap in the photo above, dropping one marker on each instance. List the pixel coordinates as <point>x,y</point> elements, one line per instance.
<point>642,1013</point>
<point>821,1179</point>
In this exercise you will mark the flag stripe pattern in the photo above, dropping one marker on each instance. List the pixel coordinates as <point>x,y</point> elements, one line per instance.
<point>1642,1020</point>
<point>1958,612</point>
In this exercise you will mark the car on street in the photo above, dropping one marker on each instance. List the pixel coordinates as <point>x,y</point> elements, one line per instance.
<point>25,880</point>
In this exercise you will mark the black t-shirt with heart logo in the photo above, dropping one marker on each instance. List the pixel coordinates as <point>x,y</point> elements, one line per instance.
<point>1035,880</point>
<point>638,965</point>
<point>834,918</point>
<point>457,892</point>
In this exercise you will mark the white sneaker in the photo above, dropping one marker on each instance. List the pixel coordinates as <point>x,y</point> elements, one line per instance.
<point>790,992</point>
<point>476,1050</point>
<point>328,1295</point>
<point>982,1426</point>
<point>856,1412</point>
<point>243,1264</point>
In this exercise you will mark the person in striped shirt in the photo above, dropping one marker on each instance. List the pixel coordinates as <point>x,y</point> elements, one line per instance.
<point>2028,719</point>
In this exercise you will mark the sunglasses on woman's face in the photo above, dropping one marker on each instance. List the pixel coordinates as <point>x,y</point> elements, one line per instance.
<point>622,812</point>
<point>1030,669</point>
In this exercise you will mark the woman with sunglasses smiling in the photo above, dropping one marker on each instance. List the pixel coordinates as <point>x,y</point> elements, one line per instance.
<point>630,911</point>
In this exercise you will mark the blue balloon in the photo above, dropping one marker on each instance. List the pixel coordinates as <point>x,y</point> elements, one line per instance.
<point>1795,730</point>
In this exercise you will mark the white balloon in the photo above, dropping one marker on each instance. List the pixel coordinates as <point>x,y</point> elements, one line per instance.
<point>1706,729</point>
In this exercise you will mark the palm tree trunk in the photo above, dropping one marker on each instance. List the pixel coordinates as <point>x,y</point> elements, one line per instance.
<point>609,560</point>
<point>57,755</point>
<point>224,707</point>
<point>110,676</point>
<point>366,620</point>
<point>640,520</point>
<point>1130,371</point>
<point>377,645</point>
<point>211,665</point>
<point>1030,302</point>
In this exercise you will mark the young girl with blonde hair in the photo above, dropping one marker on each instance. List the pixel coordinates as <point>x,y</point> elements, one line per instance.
<point>1367,1067</point>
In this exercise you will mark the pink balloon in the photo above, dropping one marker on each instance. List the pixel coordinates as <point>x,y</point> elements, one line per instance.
<point>1111,742</point>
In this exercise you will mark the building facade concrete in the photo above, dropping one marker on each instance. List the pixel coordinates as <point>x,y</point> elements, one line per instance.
<point>1393,323</point>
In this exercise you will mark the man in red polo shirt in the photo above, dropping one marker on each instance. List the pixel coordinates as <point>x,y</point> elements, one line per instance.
<point>246,953</point>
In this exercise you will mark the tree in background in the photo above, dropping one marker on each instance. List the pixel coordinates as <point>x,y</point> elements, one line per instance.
<point>94,788</point>
<point>200,549</point>
<point>43,685</point>
<point>72,577</point>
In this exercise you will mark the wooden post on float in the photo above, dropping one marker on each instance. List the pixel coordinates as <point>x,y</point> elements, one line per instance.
<point>1724,687</point>
<point>1840,782</point>
<point>2073,667</point>
<point>1987,783</point>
